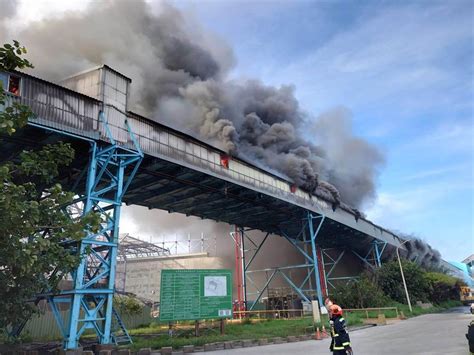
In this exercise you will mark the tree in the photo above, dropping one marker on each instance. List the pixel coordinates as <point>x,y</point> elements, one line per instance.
<point>34,211</point>
<point>390,281</point>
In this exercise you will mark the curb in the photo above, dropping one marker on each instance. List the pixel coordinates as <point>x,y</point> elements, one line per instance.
<point>233,344</point>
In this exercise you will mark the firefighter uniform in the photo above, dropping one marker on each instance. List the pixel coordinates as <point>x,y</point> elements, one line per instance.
<point>340,342</point>
<point>470,336</point>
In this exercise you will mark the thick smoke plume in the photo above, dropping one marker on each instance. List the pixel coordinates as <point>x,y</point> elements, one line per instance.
<point>417,251</point>
<point>180,77</point>
<point>422,253</point>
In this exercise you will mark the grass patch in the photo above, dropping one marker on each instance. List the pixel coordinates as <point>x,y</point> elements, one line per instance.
<point>418,311</point>
<point>236,331</point>
<point>265,328</point>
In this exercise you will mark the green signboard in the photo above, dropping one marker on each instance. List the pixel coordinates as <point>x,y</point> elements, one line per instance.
<point>195,294</point>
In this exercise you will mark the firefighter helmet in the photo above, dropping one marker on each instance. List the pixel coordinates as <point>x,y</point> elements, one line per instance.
<point>335,310</point>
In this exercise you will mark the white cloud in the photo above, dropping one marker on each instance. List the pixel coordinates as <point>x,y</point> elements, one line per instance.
<point>402,55</point>
<point>436,172</point>
<point>399,208</point>
<point>449,138</point>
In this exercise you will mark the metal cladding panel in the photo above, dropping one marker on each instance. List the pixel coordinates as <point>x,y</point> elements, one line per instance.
<point>66,110</point>
<point>116,123</point>
<point>61,109</point>
<point>115,89</point>
<point>88,83</point>
<point>102,84</point>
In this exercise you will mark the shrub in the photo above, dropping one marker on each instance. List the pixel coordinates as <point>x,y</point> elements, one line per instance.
<point>362,293</point>
<point>390,281</point>
<point>127,305</point>
<point>442,287</point>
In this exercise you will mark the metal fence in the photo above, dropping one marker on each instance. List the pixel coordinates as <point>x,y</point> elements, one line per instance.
<point>44,326</point>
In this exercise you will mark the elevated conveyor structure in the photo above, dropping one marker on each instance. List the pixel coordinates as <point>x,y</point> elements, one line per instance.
<point>179,173</point>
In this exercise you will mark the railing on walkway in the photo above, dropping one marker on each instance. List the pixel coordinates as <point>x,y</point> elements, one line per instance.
<point>270,314</point>
<point>372,312</point>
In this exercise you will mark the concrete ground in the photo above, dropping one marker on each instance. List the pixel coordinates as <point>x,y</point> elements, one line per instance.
<point>430,334</point>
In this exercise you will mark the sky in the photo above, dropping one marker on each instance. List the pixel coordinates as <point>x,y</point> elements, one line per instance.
<point>403,69</point>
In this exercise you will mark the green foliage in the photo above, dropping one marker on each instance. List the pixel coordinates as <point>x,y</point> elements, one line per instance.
<point>127,305</point>
<point>34,223</point>
<point>390,281</point>
<point>442,287</point>
<point>10,57</point>
<point>385,286</point>
<point>233,331</point>
<point>362,293</point>
<point>15,115</point>
<point>247,320</point>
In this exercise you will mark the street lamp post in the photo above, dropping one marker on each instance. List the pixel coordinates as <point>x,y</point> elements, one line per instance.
<point>403,277</point>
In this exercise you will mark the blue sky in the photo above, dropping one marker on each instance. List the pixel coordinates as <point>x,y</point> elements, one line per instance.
<point>404,70</point>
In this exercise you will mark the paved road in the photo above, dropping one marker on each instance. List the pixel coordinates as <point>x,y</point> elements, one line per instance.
<point>432,334</point>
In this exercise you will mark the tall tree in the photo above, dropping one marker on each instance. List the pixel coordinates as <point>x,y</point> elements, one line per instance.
<point>34,218</point>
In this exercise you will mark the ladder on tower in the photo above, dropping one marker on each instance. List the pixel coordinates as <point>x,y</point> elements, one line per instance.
<point>120,335</point>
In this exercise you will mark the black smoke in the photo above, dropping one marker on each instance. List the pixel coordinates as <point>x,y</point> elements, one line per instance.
<point>416,250</point>
<point>180,77</point>
<point>422,253</point>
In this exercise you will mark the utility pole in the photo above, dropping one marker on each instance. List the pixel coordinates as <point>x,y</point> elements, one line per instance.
<point>403,277</point>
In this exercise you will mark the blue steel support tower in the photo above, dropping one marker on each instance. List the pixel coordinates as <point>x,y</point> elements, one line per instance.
<point>305,242</point>
<point>110,171</point>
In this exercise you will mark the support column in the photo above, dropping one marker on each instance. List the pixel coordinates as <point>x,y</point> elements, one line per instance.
<point>379,248</point>
<point>332,263</point>
<point>91,298</point>
<point>239,268</point>
<point>313,233</point>
<point>373,258</point>
<point>304,241</point>
<point>322,272</point>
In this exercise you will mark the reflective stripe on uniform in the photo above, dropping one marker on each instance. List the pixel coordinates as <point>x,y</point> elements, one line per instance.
<point>338,348</point>
<point>347,343</point>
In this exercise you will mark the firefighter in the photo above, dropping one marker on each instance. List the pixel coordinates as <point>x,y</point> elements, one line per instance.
<point>340,341</point>
<point>470,336</point>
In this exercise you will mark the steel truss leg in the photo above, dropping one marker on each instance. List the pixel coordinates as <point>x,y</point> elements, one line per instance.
<point>111,169</point>
<point>305,243</point>
<point>373,258</point>
<point>332,262</point>
<point>240,279</point>
<point>313,234</point>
